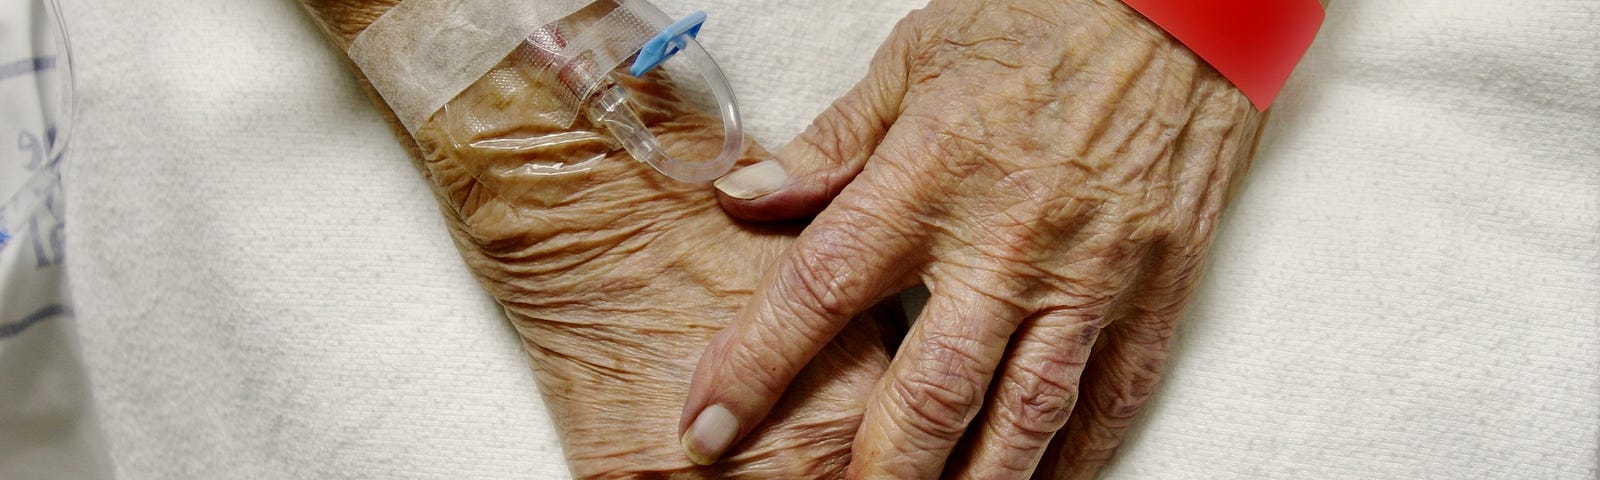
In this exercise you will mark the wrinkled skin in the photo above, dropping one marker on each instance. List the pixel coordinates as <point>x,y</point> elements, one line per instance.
<point>1052,171</point>
<point>616,277</point>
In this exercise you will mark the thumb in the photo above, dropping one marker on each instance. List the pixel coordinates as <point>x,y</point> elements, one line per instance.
<point>805,175</point>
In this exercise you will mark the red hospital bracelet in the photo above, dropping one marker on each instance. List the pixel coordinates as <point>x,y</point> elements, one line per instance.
<point>1254,43</point>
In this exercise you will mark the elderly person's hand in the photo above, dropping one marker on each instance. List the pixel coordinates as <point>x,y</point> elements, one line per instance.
<point>1052,171</point>
<point>613,275</point>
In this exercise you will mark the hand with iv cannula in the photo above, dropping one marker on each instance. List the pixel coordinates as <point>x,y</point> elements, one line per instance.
<point>612,274</point>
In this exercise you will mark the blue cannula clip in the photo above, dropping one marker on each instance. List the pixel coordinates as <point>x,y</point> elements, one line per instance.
<point>667,43</point>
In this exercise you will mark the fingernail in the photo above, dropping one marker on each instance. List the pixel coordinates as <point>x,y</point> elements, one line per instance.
<point>710,435</point>
<point>753,181</point>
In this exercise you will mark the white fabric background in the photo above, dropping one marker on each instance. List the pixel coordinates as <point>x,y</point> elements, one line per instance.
<point>1409,287</point>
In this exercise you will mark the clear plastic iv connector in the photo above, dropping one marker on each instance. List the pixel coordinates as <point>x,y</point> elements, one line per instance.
<point>579,66</point>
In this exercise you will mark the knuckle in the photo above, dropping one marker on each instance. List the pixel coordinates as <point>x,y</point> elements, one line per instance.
<point>816,288</point>
<point>1118,406</point>
<point>936,409</point>
<point>835,270</point>
<point>1041,397</point>
<point>944,137</point>
<point>941,398</point>
<point>1018,243</point>
<point>839,135</point>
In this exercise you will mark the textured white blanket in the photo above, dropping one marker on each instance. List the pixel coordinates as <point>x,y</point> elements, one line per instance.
<point>1409,287</point>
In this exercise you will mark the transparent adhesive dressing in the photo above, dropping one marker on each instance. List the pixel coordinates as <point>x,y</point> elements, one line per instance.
<point>577,60</point>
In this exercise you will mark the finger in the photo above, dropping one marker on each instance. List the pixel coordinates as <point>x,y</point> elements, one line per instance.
<point>1034,393</point>
<point>1132,352</point>
<point>847,260</point>
<point>816,165</point>
<point>1121,377</point>
<point>936,383</point>
<point>1122,372</point>
<point>1037,388</point>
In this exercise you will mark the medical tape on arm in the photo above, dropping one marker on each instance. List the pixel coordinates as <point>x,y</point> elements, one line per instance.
<point>582,55</point>
<point>422,53</point>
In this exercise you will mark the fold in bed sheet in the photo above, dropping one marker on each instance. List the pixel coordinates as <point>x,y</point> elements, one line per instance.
<point>1409,286</point>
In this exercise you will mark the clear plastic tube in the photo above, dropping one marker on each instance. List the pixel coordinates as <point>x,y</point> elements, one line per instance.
<point>609,108</point>
<point>575,59</point>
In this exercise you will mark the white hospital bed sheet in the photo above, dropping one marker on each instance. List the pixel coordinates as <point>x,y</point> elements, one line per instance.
<point>1409,287</point>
